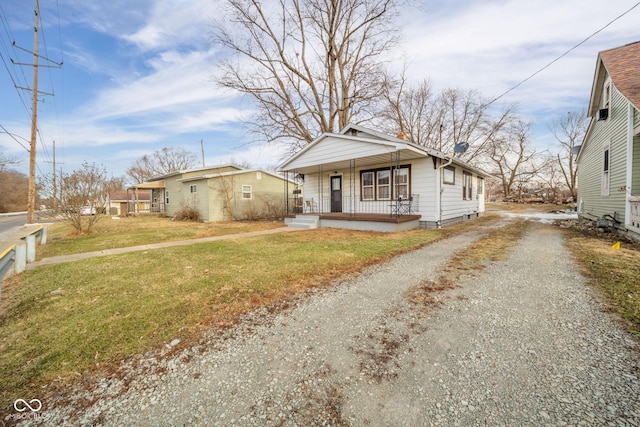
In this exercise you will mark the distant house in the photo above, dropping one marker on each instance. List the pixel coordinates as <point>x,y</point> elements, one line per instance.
<point>124,202</point>
<point>367,180</point>
<point>609,158</point>
<point>220,193</point>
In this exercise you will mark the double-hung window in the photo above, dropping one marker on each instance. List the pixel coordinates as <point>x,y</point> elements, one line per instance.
<point>246,191</point>
<point>385,183</point>
<point>467,190</point>
<point>606,162</point>
<point>368,186</point>
<point>401,184</point>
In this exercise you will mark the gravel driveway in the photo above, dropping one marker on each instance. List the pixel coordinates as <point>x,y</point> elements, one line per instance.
<point>523,343</point>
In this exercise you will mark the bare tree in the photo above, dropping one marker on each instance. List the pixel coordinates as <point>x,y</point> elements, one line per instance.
<point>161,162</point>
<point>85,194</point>
<point>13,191</point>
<point>441,121</point>
<point>515,162</point>
<point>312,66</point>
<point>412,111</point>
<point>7,161</point>
<point>570,131</point>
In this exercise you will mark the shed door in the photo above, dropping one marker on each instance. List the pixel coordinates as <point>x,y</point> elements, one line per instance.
<point>336,194</point>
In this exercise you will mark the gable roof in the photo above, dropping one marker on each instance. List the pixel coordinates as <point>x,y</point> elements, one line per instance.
<point>211,169</point>
<point>230,173</point>
<point>365,143</point>
<point>623,66</point>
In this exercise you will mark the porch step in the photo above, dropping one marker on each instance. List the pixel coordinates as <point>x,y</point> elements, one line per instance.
<point>304,221</point>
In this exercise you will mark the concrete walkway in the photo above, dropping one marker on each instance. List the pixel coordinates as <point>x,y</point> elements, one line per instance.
<point>117,251</point>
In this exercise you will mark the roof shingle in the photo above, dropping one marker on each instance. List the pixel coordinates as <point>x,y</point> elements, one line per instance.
<point>623,65</point>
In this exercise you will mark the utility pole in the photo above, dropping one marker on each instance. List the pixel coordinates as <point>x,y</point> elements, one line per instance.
<point>55,188</point>
<point>31,202</point>
<point>202,147</point>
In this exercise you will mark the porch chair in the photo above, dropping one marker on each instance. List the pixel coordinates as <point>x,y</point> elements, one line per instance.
<point>310,206</point>
<point>402,206</point>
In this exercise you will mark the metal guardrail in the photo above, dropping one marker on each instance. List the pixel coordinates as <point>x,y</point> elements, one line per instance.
<point>17,256</point>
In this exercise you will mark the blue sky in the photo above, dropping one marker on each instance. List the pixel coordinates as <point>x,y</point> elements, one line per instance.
<point>137,75</point>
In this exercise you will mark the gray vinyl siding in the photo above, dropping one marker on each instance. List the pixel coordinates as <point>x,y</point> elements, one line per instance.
<point>612,131</point>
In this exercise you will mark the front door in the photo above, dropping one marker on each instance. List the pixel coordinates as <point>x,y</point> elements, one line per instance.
<point>336,194</point>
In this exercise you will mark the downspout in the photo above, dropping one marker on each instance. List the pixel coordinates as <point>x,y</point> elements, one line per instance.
<point>439,190</point>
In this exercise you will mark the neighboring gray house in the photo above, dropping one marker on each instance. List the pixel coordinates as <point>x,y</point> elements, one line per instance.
<point>366,180</point>
<point>609,158</point>
<point>219,193</point>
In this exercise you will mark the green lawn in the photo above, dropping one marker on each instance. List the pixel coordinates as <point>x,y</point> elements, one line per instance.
<point>111,233</point>
<point>66,320</point>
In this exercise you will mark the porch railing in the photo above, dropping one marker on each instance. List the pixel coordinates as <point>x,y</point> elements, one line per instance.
<point>353,205</point>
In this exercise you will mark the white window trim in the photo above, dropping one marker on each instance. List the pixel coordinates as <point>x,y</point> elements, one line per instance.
<point>392,190</point>
<point>372,186</point>
<point>249,192</point>
<point>467,185</point>
<point>451,169</point>
<point>193,188</point>
<point>606,173</point>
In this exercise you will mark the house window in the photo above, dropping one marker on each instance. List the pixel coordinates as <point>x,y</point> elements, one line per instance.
<point>606,162</point>
<point>368,186</point>
<point>480,185</point>
<point>401,183</point>
<point>193,189</point>
<point>606,96</point>
<point>467,185</point>
<point>385,184</point>
<point>166,197</point>
<point>449,175</point>
<point>246,192</point>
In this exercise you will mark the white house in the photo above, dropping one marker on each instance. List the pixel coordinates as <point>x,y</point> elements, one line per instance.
<point>366,180</point>
<point>609,158</point>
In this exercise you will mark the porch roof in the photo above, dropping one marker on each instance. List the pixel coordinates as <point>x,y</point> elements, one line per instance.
<point>337,151</point>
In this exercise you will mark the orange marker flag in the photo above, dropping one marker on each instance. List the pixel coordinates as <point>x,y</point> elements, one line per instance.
<point>615,246</point>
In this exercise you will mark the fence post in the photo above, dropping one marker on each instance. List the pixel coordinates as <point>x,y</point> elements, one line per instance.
<point>43,235</point>
<point>20,263</point>
<point>31,247</point>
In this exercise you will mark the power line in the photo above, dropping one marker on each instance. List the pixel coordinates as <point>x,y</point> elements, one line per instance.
<point>13,136</point>
<point>561,56</point>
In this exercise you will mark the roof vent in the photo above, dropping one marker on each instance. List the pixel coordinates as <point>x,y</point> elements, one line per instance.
<point>602,114</point>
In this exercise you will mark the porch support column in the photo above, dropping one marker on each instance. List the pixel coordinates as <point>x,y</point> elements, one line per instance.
<point>629,177</point>
<point>352,186</point>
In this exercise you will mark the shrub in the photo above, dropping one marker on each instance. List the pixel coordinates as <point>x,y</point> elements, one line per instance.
<point>188,213</point>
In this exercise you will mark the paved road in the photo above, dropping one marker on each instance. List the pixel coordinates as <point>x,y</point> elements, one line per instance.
<point>523,343</point>
<point>8,223</point>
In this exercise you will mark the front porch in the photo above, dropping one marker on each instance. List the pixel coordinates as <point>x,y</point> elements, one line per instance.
<point>354,221</point>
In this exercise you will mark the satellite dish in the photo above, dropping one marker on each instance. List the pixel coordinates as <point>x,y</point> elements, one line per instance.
<point>461,147</point>
<point>575,149</point>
